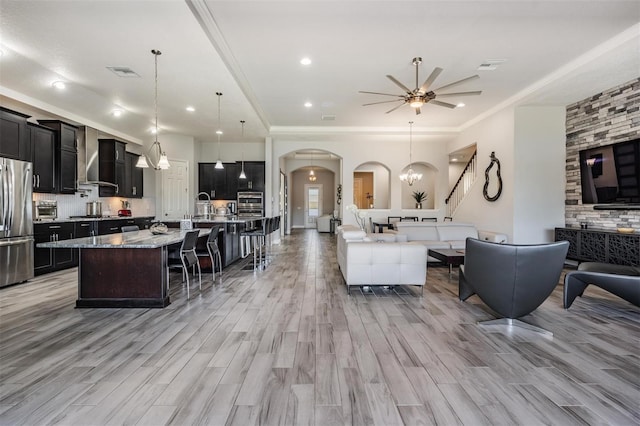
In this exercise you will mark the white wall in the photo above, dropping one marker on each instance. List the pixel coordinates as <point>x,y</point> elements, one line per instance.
<point>230,152</point>
<point>540,173</point>
<point>389,150</point>
<point>529,141</point>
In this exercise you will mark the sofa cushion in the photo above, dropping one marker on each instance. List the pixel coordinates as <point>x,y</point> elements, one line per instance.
<point>418,231</point>
<point>456,232</point>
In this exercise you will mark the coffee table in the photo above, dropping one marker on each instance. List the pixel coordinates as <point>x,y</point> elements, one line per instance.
<point>451,257</point>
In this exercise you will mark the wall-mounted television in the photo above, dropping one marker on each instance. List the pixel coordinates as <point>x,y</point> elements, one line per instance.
<point>610,175</point>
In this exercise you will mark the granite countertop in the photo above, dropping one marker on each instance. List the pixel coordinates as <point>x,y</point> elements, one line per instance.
<point>86,218</point>
<point>136,239</point>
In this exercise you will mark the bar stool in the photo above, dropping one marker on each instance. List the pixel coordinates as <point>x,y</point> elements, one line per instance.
<point>213,251</point>
<point>187,258</point>
<point>257,238</point>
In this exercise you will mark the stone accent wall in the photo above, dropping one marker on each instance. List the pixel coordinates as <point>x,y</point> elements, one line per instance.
<point>603,119</point>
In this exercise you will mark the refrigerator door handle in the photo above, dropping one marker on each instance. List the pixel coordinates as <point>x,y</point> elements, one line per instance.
<point>15,241</point>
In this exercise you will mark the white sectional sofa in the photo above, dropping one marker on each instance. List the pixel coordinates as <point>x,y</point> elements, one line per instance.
<point>378,259</point>
<point>444,235</point>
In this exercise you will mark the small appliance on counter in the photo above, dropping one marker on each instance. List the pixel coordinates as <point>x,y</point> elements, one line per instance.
<point>45,209</point>
<point>126,209</point>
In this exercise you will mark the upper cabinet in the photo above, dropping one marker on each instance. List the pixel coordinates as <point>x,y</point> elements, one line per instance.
<point>132,176</point>
<point>224,184</point>
<point>66,162</point>
<point>43,149</point>
<point>14,137</point>
<point>254,170</point>
<point>112,163</point>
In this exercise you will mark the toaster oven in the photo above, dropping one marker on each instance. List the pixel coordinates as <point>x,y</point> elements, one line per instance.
<point>45,209</point>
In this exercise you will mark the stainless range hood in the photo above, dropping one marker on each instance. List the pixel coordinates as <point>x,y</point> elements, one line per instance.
<point>88,173</point>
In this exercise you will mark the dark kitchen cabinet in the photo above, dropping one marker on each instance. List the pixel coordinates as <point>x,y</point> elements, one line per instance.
<point>111,167</point>
<point>43,149</point>
<point>106,227</point>
<point>231,245</point>
<point>14,137</point>
<point>254,170</point>
<point>212,181</point>
<point>132,177</point>
<point>66,161</point>
<point>47,259</point>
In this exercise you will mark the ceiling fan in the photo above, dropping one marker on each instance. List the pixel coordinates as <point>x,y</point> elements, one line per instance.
<point>421,94</point>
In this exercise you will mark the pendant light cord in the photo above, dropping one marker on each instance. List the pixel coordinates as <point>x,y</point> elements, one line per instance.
<point>156,53</point>
<point>410,143</point>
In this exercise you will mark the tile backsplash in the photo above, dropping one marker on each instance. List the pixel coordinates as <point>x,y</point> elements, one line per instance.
<point>75,204</point>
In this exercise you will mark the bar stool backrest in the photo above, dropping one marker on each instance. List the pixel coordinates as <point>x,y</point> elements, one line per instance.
<point>188,248</point>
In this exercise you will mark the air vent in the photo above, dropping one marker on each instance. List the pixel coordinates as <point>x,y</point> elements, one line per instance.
<point>125,72</point>
<point>490,64</point>
<point>328,117</point>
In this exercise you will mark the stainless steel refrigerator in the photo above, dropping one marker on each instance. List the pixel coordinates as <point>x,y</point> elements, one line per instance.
<point>16,224</point>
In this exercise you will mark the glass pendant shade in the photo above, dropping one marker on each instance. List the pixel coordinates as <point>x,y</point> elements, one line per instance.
<point>242,175</point>
<point>219,164</point>
<point>142,162</point>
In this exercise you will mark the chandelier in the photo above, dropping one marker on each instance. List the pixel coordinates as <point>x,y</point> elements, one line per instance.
<point>410,176</point>
<point>155,155</point>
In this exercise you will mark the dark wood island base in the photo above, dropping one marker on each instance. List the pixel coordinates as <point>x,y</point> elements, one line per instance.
<point>122,278</point>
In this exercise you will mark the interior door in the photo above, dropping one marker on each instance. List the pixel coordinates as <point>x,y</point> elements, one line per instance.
<point>175,190</point>
<point>312,204</point>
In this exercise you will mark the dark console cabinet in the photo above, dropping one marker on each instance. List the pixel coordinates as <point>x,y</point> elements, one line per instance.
<point>592,245</point>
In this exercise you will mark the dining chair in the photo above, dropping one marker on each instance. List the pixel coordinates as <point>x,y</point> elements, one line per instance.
<point>187,258</point>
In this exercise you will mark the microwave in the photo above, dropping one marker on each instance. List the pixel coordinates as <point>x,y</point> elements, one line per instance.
<point>45,209</point>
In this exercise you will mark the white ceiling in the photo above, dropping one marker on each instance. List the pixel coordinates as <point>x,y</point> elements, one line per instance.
<point>557,52</point>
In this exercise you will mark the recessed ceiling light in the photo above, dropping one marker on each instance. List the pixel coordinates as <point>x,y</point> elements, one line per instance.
<point>117,112</point>
<point>153,130</point>
<point>59,84</point>
<point>305,61</point>
<point>190,109</point>
<point>461,105</point>
<point>308,104</point>
<point>454,159</point>
<point>218,132</point>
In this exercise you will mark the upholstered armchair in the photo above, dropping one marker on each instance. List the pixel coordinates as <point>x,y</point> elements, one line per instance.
<point>621,280</point>
<point>513,280</point>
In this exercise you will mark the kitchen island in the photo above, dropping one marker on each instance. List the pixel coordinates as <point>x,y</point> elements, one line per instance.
<point>124,270</point>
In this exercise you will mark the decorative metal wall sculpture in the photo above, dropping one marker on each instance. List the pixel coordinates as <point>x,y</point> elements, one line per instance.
<point>485,191</point>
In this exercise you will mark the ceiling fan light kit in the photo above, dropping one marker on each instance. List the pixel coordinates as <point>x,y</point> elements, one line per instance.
<point>421,95</point>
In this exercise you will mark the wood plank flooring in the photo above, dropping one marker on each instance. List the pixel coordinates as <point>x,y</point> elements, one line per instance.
<point>288,346</point>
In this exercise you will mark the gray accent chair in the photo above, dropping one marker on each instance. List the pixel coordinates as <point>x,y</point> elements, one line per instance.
<point>513,280</point>
<point>621,280</point>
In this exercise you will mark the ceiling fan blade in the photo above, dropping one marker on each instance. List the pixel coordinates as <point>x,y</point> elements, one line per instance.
<point>444,104</point>
<point>429,81</point>
<point>455,83</point>
<point>382,102</point>
<point>402,86</point>
<point>378,93</point>
<point>442,95</point>
<point>394,108</point>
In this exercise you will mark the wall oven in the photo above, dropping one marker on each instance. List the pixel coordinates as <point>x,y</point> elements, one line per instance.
<point>250,204</point>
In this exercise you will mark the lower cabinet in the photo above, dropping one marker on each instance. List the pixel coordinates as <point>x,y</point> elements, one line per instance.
<point>230,250</point>
<point>49,260</point>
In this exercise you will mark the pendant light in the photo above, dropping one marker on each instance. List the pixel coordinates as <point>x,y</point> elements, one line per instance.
<point>410,176</point>
<point>219,164</point>
<point>242,175</point>
<point>155,150</point>
<point>312,175</point>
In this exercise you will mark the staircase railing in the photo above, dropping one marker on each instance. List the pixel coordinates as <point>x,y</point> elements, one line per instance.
<point>462,186</point>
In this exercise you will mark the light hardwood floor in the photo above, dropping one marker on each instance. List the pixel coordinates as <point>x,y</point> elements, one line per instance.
<point>288,346</point>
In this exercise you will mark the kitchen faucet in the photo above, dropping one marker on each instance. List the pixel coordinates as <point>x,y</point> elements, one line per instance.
<point>203,193</point>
